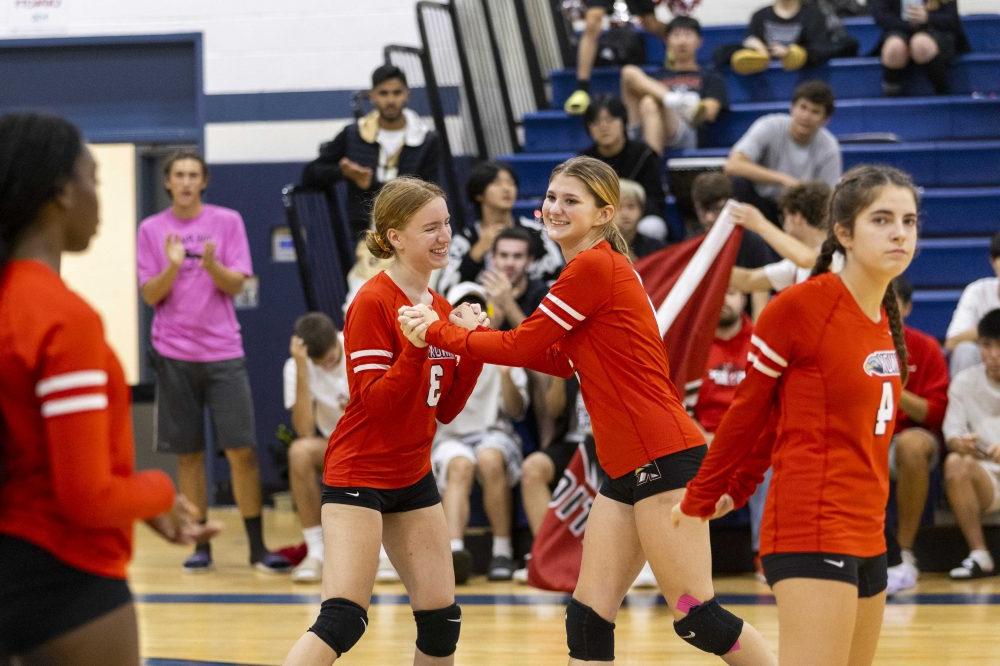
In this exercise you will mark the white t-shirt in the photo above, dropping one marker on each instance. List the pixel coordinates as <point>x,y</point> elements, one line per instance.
<point>783,274</point>
<point>977,299</point>
<point>390,142</point>
<point>973,406</point>
<point>328,388</point>
<point>482,410</point>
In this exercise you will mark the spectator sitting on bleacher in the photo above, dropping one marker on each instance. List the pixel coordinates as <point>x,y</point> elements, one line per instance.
<point>928,32</point>
<point>512,293</point>
<point>792,32</point>
<point>709,193</point>
<point>977,299</point>
<point>480,443</point>
<point>631,201</point>
<point>390,141</point>
<point>972,432</point>
<point>670,105</point>
<point>781,150</point>
<point>492,189</point>
<point>803,215</point>
<point>634,160</point>
<point>586,53</point>
<point>916,442</point>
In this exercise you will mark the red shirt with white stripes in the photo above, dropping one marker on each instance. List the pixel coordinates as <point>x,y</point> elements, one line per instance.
<point>830,376</point>
<point>726,368</point>
<point>596,320</point>
<point>397,393</point>
<point>928,379</point>
<point>67,477</point>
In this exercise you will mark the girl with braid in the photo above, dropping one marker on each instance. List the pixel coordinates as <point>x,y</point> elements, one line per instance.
<point>824,376</point>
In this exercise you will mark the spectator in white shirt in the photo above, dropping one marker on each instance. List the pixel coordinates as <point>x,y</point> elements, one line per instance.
<point>977,299</point>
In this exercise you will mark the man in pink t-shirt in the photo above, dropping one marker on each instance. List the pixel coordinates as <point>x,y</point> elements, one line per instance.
<point>193,258</point>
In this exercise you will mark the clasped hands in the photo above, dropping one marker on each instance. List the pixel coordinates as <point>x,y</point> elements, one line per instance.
<point>416,319</point>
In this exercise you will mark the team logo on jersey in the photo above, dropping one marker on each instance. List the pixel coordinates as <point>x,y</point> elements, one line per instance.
<point>882,364</point>
<point>436,352</point>
<point>648,472</point>
<point>727,374</point>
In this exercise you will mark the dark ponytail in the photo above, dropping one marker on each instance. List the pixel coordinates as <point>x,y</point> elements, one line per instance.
<point>38,155</point>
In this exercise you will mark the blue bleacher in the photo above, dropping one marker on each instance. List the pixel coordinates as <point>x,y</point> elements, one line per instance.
<point>950,145</point>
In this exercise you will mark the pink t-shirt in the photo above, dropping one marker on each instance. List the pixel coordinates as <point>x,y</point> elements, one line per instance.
<point>196,321</point>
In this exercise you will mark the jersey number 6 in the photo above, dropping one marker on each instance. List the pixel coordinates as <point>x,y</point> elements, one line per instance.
<point>434,391</point>
<point>886,409</point>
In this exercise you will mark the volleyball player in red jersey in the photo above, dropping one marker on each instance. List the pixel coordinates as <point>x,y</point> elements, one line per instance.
<point>598,322</point>
<point>68,490</point>
<point>828,357</point>
<point>377,479</point>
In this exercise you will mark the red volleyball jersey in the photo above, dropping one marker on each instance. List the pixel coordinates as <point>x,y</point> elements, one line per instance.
<point>596,320</point>
<point>928,379</point>
<point>726,368</point>
<point>830,376</point>
<point>67,478</point>
<point>397,392</point>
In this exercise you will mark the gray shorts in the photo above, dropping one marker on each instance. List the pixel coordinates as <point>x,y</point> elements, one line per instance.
<point>185,388</point>
<point>935,457</point>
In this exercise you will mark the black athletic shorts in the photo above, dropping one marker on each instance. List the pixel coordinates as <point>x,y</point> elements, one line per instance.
<point>635,7</point>
<point>42,598</point>
<point>869,574</point>
<point>422,494</point>
<point>668,472</point>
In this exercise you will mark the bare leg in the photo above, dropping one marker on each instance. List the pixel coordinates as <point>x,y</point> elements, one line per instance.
<point>914,450</point>
<point>113,638</point>
<point>191,479</point>
<point>305,460</point>
<point>817,620</point>
<point>969,493</point>
<point>246,480</point>
<point>537,473</point>
<point>461,472</point>
<point>497,498</point>
<point>867,628</point>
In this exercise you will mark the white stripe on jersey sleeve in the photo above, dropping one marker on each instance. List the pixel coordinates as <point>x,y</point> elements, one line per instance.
<point>371,352</point>
<point>768,352</point>
<point>562,304</point>
<point>555,318</point>
<point>71,380</point>
<point>370,366</point>
<point>78,403</point>
<point>757,363</point>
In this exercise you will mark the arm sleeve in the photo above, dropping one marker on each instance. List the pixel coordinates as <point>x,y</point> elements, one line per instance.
<point>453,402</point>
<point>742,442</point>
<point>714,87</point>
<point>936,387</point>
<point>886,19</point>
<point>149,257</point>
<point>325,169</point>
<point>754,142</point>
<point>829,167</point>
<point>237,250</point>
<point>756,26</point>
<point>964,318</point>
<point>88,489</point>
<point>582,289</point>
<point>781,274</point>
<point>956,420</point>
<point>288,381</point>
<point>649,178</point>
<point>379,376</point>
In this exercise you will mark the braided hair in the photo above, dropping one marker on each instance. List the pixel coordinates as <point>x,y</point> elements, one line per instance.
<point>38,155</point>
<point>856,190</point>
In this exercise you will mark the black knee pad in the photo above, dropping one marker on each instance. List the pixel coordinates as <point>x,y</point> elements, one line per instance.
<point>340,624</point>
<point>590,637</point>
<point>437,630</point>
<point>710,627</point>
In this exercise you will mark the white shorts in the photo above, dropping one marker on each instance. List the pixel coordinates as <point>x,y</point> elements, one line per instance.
<point>466,447</point>
<point>686,136</point>
<point>935,456</point>
<point>992,470</point>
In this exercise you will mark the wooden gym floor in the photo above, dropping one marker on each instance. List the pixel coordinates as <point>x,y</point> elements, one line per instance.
<point>234,615</point>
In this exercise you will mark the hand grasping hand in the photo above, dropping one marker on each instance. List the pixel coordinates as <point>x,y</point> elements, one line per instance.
<point>414,321</point>
<point>469,316</point>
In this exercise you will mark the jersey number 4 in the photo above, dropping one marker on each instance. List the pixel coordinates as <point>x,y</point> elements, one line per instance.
<point>886,409</point>
<point>434,392</point>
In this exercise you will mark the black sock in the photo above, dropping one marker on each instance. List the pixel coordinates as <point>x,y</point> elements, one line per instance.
<point>937,72</point>
<point>583,85</point>
<point>255,536</point>
<point>892,81</point>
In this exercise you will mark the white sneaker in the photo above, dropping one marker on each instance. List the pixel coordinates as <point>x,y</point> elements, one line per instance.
<point>386,572</point>
<point>309,570</point>
<point>901,577</point>
<point>645,579</point>
<point>520,575</point>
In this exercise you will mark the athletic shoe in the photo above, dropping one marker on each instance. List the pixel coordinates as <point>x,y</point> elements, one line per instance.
<point>309,570</point>
<point>501,568</point>
<point>462,561</point>
<point>645,579</point>
<point>749,61</point>
<point>520,576</point>
<point>386,572</point>
<point>758,570</point>
<point>902,576</point>
<point>795,58</point>
<point>272,563</point>
<point>970,569</point>
<point>577,103</point>
<point>198,562</point>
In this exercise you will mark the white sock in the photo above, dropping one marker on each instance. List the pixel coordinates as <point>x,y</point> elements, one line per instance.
<point>314,541</point>
<point>502,547</point>
<point>984,558</point>
<point>457,544</point>
<point>908,557</point>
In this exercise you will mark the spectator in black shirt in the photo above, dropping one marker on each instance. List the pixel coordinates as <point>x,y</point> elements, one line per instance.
<point>928,32</point>
<point>790,31</point>
<point>671,105</point>
<point>513,295</point>
<point>388,142</point>
<point>634,160</point>
<point>631,201</point>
